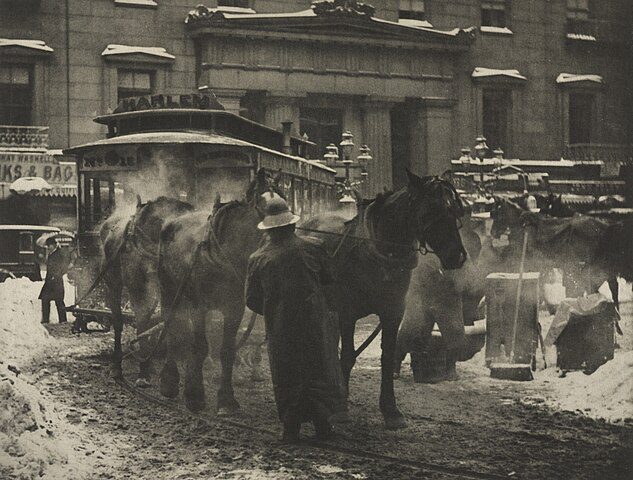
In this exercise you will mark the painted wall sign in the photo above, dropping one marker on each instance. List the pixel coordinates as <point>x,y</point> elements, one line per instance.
<point>16,165</point>
<point>196,100</point>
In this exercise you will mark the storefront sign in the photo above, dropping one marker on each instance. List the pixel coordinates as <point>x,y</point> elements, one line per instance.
<point>15,165</point>
<point>150,102</point>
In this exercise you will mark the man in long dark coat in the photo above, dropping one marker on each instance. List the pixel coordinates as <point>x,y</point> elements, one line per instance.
<point>57,265</point>
<point>284,284</point>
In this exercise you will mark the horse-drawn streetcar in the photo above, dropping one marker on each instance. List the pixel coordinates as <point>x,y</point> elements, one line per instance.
<point>184,147</point>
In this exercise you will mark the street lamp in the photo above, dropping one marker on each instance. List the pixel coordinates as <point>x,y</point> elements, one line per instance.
<point>363,159</point>
<point>347,145</point>
<point>331,155</point>
<point>480,150</point>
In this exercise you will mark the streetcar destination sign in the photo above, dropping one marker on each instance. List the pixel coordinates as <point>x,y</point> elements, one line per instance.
<point>198,101</point>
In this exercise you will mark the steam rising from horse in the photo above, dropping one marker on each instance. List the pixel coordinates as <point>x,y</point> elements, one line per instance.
<point>130,245</point>
<point>202,267</point>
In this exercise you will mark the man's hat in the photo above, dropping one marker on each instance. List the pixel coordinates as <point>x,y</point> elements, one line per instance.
<point>276,213</point>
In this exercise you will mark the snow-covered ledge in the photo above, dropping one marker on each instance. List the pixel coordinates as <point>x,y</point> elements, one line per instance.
<point>564,78</point>
<point>136,3</point>
<point>481,72</point>
<point>496,30</point>
<point>114,50</point>
<point>30,44</point>
<point>408,22</point>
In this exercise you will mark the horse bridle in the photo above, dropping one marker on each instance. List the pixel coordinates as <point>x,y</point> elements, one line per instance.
<point>421,230</point>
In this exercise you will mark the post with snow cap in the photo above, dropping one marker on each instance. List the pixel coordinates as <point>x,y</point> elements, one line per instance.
<point>286,128</point>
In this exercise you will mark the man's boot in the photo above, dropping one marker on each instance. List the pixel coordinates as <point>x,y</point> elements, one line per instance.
<point>291,432</point>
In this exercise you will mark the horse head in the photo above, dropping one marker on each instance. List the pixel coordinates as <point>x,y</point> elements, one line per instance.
<point>436,209</point>
<point>264,182</point>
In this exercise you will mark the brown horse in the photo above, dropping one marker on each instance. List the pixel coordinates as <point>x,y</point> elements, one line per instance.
<point>130,245</point>
<point>373,260</point>
<point>202,267</point>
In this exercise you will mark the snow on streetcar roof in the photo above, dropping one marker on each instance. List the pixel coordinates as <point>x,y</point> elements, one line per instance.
<point>34,228</point>
<point>179,137</point>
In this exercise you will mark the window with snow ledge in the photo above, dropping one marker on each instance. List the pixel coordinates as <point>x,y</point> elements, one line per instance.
<point>136,3</point>
<point>494,13</point>
<point>412,10</point>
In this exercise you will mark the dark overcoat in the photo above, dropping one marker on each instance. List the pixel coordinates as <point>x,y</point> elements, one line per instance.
<point>284,284</point>
<point>56,267</point>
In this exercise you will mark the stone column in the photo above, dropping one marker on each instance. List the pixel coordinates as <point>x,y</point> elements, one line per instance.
<point>230,99</point>
<point>282,108</point>
<point>439,135</point>
<point>377,135</point>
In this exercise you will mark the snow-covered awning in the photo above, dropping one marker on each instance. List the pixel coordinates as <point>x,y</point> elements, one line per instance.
<point>481,72</point>
<point>574,78</point>
<point>122,50</point>
<point>39,45</point>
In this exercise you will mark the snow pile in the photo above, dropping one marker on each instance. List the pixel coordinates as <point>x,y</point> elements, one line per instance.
<point>605,394</point>
<point>35,442</point>
<point>22,336</point>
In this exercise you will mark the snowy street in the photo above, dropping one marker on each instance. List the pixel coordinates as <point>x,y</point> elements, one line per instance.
<point>66,418</point>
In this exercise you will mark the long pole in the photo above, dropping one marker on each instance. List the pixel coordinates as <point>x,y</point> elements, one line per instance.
<point>518,299</point>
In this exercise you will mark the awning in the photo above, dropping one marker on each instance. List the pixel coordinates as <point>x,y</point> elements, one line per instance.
<point>115,49</point>
<point>30,44</point>
<point>482,72</point>
<point>574,78</point>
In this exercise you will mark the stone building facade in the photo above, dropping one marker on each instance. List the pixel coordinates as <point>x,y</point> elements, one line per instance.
<point>416,80</point>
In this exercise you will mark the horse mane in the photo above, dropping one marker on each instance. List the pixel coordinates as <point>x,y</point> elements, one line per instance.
<point>218,221</point>
<point>178,205</point>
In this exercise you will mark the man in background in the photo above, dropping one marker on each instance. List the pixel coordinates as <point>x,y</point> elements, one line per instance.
<point>57,264</point>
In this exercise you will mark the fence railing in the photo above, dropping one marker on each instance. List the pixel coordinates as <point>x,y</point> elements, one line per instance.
<point>23,137</point>
<point>612,154</point>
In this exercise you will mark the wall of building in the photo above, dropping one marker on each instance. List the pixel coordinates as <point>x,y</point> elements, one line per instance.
<point>78,84</point>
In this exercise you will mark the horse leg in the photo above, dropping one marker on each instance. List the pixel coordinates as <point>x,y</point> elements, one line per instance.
<point>114,289</point>
<point>348,351</point>
<point>195,357</point>
<point>392,416</point>
<point>169,376</point>
<point>143,305</point>
<point>227,404</point>
<point>450,321</point>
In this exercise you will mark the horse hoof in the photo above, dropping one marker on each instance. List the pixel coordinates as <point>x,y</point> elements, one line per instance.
<point>395,423</point>
<point>116,372</point>
<point>168,390</point>
<point>228,411</point>
<point>142,382</point>
<point>228,407</point>
<point>195,404</point>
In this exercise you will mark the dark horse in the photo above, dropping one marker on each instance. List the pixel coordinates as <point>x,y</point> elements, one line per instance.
<point>373,256</point>
<point>566,243</point>
<point>130,245</point>
<point>202,267</point>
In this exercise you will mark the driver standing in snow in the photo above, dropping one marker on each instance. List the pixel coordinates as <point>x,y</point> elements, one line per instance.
<point>284,283</point>
<point>57,264</point>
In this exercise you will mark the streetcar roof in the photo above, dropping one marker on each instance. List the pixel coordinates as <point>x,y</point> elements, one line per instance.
<point>186,137</point>
<point>32,228</point>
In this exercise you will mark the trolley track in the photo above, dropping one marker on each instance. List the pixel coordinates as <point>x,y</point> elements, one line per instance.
<point>416,466</point>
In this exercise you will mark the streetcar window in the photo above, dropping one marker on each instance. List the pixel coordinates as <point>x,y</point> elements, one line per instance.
<point>99,200</point>
<point>26,242</point>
